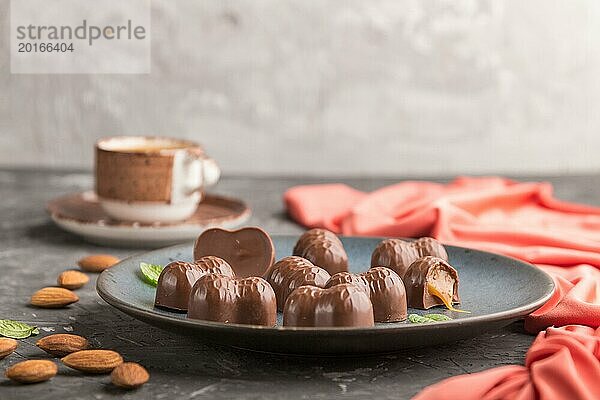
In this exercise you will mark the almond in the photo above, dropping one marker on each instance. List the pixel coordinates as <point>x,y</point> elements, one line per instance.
<point>7,346</point>
<point>53,297</point>
<point>129,375</point>
<point>61,344</point>
<point>93,361</point>
<point>32,371</point>
<point>72,279</point>
<point>97,262</point>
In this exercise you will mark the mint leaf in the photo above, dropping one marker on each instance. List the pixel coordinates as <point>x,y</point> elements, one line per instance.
<point>438,317</point>
<point>417,319</point>
<point>427,318</point>
<point>16,330</point>
<point>150,273</point>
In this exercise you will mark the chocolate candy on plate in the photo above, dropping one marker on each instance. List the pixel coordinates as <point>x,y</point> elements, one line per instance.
<point>292,272</point>
<point>345,304</point>
<point>324,249</point>
<point>249,251</point>
<point>221,298</point>
<point>385,289</point>
<point>178,277</point>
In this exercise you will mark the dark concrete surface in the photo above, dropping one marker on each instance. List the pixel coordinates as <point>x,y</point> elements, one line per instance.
<point>33,252</point>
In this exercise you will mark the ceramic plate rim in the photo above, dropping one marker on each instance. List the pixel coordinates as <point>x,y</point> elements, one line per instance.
<point>513,313</point>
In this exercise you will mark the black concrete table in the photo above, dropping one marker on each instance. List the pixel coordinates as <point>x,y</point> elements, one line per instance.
<point>33,252</point>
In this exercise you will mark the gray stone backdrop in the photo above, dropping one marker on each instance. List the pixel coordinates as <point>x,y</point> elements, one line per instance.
<point>335,87</point>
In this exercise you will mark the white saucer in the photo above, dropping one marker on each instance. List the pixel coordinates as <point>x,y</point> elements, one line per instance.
<point>81,214</point>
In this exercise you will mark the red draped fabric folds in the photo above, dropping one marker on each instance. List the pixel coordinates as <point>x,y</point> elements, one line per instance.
<point>561,364</point>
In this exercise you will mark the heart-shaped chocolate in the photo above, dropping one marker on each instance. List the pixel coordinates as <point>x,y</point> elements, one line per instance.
<point>431,281</point>
<point>292,272</point>
<point>249,251</point>
<point>345,304</point>
<point>324,249</point>
<point>398,254</point>
<point>221,298</point>
<point>178,277</point>
<point>385,289</point>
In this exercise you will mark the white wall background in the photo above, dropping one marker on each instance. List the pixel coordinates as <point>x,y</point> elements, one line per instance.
<point>336,88</point>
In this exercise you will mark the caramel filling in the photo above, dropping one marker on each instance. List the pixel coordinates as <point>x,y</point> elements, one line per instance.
<point>441,285</point>
<point>445,297</point>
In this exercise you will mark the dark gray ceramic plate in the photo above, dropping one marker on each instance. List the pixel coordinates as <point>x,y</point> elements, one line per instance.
<point>496,289</point>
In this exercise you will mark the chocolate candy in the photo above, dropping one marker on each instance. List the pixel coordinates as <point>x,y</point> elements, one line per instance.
<point>292,272</point>
<point>324,249</point>
<point>395,254</point>
<point>431,281</point>
<point>345,304</point>
<point>177,278</point>
<point>385,289</point>
<point>399,254</point>
<point>427,246</point>
<point>221,298</point>
<point>249,251</point>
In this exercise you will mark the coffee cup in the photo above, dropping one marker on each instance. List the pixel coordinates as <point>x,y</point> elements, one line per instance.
<point>152,179</point>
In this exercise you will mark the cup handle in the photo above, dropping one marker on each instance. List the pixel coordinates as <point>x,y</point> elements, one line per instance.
<point>203,172</point>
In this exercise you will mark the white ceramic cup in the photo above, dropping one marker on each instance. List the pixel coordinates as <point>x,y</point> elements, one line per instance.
<point>152,179</point>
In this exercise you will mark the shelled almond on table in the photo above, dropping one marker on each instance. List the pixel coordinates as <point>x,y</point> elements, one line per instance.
<point>93,361</point>
<point>97,262</point>
<point>129,375</point>
<point>72,279</point>
<point>53,297</point>
<point>61,344</point>
<point>7,346</point>
<point>32,371</point>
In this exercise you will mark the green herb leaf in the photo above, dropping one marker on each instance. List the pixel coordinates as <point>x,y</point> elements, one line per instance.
<point>16,330</point>
<point>150,273</point>
<point>427,318</point>
<point>417,319</point>
<point>438,317</point>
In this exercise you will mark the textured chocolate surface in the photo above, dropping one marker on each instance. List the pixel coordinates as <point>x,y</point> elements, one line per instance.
<point>385,289</point>
<point>214,265</point>
<point>395,254</point>
<point>292,272</point>
<point>345,304</point>
<point>178,277</point>
<point>221,298</point>
<point>324,249</point>
<point>249,251</point>
<point>429,270</point>
<point>427,246</point>
<point>398,254</point>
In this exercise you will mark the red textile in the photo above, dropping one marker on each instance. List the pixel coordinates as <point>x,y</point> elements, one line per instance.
<point>562,363</point>
<point>521,220</point>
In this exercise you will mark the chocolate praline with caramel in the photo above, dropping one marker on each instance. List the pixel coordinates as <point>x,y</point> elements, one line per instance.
<point>249,250</point>
<point>428,246</point>
<point>431,281</point>
<point>345,304</point>
<point>395,254</point>
<point>385,289</point>
<point>292,272</point>
<point>324,249</point>
<point>177,278</point>
<point>221,298</point>
<point>399,254</point>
